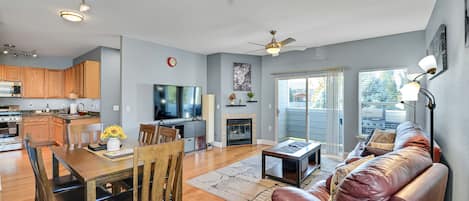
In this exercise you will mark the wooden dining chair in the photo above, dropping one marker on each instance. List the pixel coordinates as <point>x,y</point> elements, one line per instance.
<point>166,134</point>
<point>82,135</point>
<point>44,187</point>
<point>162,173</point>
<point>147,134</point>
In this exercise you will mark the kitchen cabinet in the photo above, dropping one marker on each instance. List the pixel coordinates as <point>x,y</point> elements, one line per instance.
<point>34,80</point>
<point>84,80</point>
<point>58,130</point>
<point>10,73</point>
<point>37,127</point>
<point>55,83</point>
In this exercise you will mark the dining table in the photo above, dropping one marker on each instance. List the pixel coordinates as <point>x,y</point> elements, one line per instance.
<point>89,168</point>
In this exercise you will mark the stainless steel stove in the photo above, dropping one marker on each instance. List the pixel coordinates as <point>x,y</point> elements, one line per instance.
<point>10,121</point>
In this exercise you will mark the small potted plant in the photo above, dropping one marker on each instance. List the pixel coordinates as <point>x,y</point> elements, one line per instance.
<point>114,134</point>
<point>250,96</point>
<point>232,98</point>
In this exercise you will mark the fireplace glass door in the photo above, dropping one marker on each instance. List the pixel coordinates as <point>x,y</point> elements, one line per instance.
<point>239,131</point>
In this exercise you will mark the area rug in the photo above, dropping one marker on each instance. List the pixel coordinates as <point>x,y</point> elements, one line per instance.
<point>241,181</point>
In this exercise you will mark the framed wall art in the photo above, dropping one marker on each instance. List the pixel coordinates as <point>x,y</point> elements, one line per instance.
<point>438,48</point>
<point>242,77</point>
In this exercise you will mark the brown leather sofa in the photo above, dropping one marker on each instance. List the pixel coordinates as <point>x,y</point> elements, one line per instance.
<point>406,174</point>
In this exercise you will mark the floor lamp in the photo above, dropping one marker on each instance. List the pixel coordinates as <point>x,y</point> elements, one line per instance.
<point>411,91</point>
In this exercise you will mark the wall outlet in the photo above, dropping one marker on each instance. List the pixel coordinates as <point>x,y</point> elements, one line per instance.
<point>270,128</point>
<point>127,109</point>
<point>270,106</point>
<point>218,106</point>
<point>115,108</point>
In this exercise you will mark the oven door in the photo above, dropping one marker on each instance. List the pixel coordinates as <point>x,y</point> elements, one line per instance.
<point>4,130</point>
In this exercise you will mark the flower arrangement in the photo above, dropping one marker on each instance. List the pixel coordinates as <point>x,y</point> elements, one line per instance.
<point>113,131</point>
<point>232,97</point>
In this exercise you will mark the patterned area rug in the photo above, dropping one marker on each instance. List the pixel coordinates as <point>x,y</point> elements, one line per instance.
<point>242,181</point>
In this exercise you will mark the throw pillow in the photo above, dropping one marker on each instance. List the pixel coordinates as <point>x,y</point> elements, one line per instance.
<point>383,136</point>
<point>381,142</point>
<point>342,171</point>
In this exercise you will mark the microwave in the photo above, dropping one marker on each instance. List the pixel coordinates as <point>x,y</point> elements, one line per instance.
<point>10,89</point>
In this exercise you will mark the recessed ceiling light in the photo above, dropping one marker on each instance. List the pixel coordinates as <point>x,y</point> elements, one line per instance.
<point>72,16</point>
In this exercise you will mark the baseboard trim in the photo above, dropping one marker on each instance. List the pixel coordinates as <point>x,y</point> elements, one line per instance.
<point>266,142</point>
<point>217,144</point>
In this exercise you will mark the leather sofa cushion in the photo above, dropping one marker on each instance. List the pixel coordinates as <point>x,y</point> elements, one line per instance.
<point>380,178</point>
<point>342,171</point>
<point>411,137</point>
<point>293,194</point>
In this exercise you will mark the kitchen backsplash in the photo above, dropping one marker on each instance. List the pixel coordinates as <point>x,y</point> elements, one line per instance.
<point>54,104</point>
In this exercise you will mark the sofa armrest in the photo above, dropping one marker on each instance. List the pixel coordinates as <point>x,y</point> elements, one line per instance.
<point>292,194</point>
<point>430,185</point>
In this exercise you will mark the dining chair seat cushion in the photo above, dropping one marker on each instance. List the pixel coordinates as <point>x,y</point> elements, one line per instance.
<point>79,194</point>
<point>64,183</point>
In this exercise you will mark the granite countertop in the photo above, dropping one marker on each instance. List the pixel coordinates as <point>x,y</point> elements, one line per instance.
<point>56,113</point>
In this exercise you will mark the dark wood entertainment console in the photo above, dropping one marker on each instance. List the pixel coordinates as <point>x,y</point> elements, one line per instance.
<point>193,133</point>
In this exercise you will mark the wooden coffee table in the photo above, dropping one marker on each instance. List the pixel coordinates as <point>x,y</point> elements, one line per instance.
<point>299,160</point>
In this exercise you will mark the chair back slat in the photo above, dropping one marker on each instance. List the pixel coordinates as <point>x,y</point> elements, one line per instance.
<point>166,134</point>
<point>147,134</point>
<point>43,187</point>
<point>162,163</point>
<point>82,135</point>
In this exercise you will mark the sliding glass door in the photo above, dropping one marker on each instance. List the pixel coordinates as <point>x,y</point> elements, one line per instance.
<point>310,108</point>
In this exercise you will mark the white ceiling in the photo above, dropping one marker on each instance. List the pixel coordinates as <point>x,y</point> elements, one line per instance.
<point>205,26</point>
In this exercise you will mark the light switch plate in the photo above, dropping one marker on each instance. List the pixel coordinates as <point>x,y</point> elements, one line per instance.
<point>115,108</point>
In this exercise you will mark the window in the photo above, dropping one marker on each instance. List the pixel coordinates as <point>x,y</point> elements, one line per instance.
<point>379,99</point>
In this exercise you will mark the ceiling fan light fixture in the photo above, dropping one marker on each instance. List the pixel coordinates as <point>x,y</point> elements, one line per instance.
<point>71,16</point>
<point>273,50</point>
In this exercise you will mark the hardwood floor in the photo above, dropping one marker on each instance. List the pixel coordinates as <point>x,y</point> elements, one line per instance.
<point>18,180</point>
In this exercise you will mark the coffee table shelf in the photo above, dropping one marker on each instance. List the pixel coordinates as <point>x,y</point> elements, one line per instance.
<point>296,165</point>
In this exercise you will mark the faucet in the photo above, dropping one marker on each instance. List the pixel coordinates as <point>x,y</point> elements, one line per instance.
<point>82,107</point>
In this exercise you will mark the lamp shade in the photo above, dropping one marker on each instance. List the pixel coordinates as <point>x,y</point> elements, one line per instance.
<point>410,91</point>
<point>428,64</point>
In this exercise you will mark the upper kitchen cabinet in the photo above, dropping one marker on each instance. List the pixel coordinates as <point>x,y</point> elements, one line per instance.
<point>34,82</point>
<point>91,80</point>
<point>10,73</point>
<point>55,83</point>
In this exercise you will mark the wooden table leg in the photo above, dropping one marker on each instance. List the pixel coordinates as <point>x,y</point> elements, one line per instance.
<point>55,167</point>
<point>90,190</point>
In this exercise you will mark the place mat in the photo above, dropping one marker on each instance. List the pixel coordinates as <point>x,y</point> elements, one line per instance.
<point>102,152</point>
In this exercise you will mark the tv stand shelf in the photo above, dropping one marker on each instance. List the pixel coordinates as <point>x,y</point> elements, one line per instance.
<point>192,132</point>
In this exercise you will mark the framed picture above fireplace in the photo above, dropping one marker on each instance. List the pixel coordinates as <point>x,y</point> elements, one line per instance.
<point>241,77</point>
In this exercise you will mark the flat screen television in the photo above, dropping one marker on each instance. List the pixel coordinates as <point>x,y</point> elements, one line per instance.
<point>175,102</point>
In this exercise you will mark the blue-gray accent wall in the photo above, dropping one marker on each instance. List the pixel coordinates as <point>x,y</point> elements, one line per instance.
<point>220,83</point>
<point>143,64</point>
<point>450,90</point>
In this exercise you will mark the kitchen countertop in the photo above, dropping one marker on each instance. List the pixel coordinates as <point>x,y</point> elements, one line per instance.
<point>60,115</point>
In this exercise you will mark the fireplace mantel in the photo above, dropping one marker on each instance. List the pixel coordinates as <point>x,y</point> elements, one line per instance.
<point>237,116</point>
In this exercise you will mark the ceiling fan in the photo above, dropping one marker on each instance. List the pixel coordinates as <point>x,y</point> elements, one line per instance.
<point>274,47</point>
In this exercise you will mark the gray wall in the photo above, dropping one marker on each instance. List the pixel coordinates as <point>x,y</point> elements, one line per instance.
<point>402,50</point>
<point>220,83</point>
<point>109,59</point>
<point>450,90</point>
<point>143,64</point>
<point>41,61</point>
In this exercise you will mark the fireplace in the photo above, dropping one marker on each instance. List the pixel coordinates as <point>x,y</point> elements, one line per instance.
<point>238,131</point>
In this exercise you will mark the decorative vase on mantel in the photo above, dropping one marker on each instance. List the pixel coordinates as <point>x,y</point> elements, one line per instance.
<point>113,144</point>
<point>232,98</point>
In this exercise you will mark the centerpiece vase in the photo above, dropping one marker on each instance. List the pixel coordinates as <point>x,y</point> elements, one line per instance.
<point>113,144</point>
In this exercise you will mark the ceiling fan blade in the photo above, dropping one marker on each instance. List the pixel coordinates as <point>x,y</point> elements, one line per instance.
<point>254,51</point>
<point>287,41</point>
<point>256,44</point>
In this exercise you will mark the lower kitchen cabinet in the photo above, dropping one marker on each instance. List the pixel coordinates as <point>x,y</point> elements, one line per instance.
<point>58,130</point>
<point>38,128</point>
